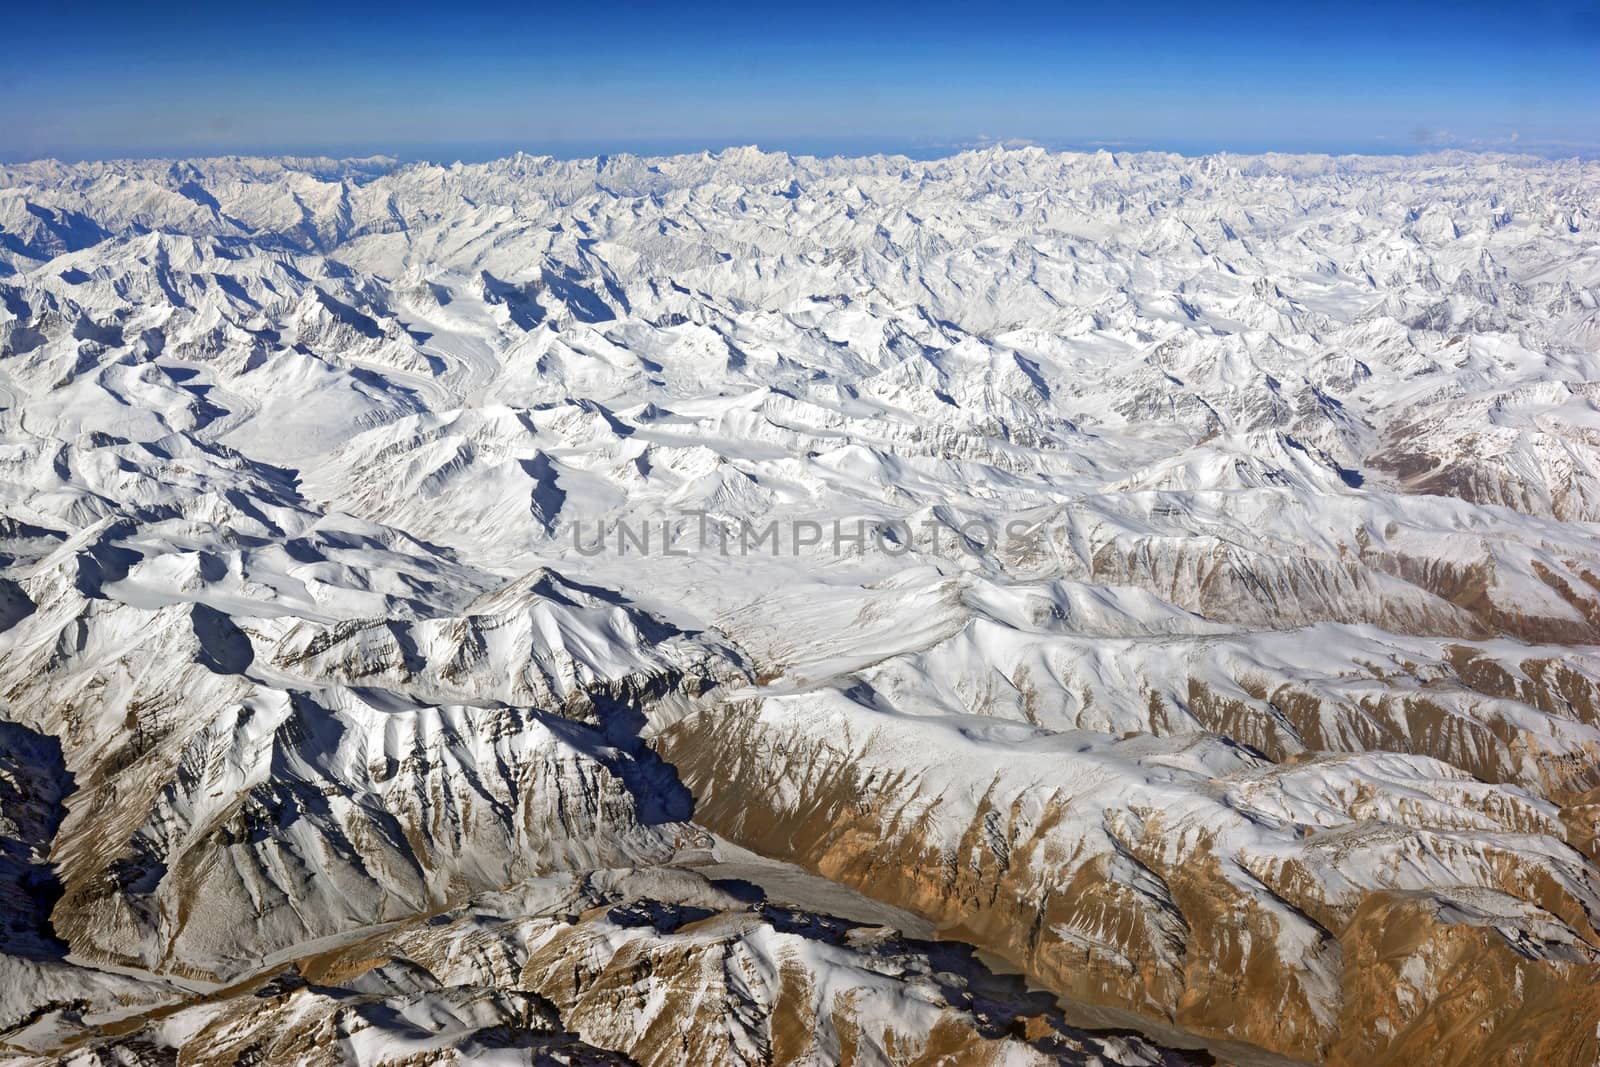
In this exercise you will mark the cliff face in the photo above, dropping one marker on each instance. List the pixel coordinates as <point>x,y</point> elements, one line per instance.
<point>1174,580</point>
<point>1188,879</point>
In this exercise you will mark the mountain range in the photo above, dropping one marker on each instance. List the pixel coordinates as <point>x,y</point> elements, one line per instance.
<point>1015,608</point>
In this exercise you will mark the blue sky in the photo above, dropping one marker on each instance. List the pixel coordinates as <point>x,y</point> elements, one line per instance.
<point>89,80</point>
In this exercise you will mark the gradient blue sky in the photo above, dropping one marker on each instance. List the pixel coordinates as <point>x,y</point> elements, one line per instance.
<point>92,80</point>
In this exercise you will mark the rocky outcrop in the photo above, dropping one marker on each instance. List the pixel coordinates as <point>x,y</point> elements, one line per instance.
<point>1185,879</point>
<point>615,966</point>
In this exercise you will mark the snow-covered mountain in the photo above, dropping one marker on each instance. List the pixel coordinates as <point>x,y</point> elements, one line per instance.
<point>1014,608</point>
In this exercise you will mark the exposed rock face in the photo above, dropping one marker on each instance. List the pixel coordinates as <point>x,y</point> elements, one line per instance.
<point>1176,579</point>
<point>1402,948</point>
<point>1211,887</point>
<point>664,967</point>
<point>319,804</point>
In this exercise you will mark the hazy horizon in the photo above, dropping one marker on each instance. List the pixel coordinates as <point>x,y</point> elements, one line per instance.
<point>418,81</point>
<point>448,153</point>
